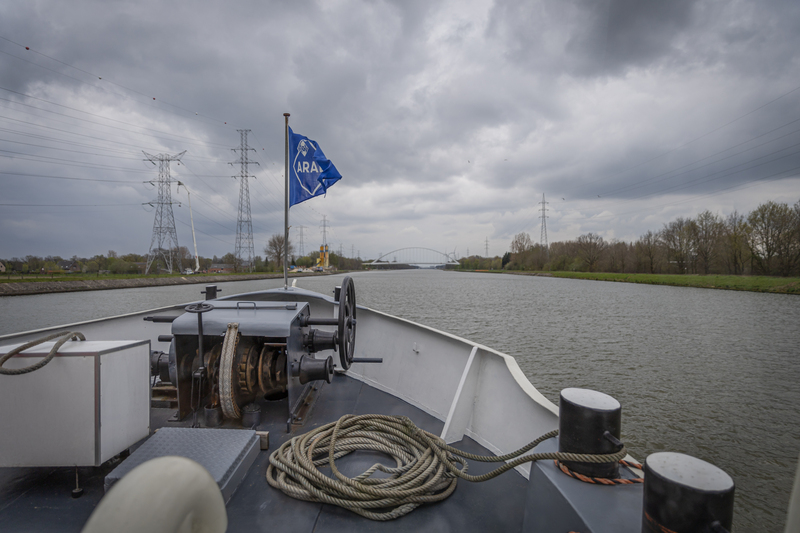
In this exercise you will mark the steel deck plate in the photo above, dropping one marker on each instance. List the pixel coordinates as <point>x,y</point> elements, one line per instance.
<point>226,453</point>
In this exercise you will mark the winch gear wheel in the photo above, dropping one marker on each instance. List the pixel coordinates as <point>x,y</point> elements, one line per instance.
<point>347,322</point>
<point>229,373</point>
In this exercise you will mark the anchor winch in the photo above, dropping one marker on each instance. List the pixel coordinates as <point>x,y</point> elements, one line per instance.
<point>227,354</point>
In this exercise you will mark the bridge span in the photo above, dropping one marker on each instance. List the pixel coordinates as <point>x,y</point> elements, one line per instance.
<point>414,257</point>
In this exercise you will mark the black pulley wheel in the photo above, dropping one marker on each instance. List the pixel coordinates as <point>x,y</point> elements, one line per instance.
<point>347,322</point>
<point>201,307</point>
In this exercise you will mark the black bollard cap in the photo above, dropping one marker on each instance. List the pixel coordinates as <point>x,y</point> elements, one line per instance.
<point>685,494</point>
<point>584,417</point>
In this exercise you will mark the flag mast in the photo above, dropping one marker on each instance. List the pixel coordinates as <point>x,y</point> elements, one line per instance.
<point>286,212</point>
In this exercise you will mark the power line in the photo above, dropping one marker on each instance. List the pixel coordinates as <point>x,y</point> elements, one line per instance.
<point>721,173</point>
<point>48,176</point>
<point>186,140</point>
<point>196,114</point>
<point>605,178</point>
<point>69,132</point>
<point>40,66</point>
<point>227,215</point>
<point>717,175</point>
<point>60,161</point>
<point>199,212</point>
<point>69,205</point>
<point>67,150</point>
<point>206,234</point>
<point>62,141</point>
<point>667,174</point>
<point>771,177</point>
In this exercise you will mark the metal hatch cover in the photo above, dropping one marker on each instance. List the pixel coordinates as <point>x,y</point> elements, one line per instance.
<point>251,317</point>
<point>227,454</point>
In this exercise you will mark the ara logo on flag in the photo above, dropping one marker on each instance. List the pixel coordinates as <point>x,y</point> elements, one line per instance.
<point>310,172</point>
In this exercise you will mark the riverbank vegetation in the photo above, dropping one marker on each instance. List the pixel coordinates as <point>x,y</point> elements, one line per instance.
<point>739,283</point>
<point>132,265</point>
<point>765,242</point>
<point>18,277</point>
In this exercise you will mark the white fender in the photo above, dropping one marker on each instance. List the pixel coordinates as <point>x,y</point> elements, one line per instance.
<point>164,495</point>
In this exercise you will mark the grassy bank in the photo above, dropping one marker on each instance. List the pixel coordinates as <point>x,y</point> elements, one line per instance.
<point>737,283</point>
<point>76,282</point>
<point>29,278</point>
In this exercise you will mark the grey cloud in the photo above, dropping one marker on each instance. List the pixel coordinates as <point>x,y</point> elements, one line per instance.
<point>587,38</point>
<point>572,98</point>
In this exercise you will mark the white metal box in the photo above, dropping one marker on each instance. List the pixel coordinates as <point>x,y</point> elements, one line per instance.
<point>88,404</point>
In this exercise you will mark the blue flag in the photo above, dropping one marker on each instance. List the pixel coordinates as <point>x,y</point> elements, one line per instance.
<point>310,172</point>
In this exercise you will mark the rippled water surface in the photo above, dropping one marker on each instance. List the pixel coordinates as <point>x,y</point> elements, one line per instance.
<point>710,373</point>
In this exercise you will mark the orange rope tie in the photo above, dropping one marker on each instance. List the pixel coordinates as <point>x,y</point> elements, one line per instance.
<point>601,480</point>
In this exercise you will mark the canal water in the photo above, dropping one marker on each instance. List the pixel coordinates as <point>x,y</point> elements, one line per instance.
<point>711,373</point>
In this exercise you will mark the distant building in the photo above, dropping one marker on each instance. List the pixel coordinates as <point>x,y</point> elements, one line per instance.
<point>221,268</point>
<point>2,268</point>
<point>69,266</point>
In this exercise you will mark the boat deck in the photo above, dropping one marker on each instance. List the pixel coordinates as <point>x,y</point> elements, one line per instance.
<point>40,499</point>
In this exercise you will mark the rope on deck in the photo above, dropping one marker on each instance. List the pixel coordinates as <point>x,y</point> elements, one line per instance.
<point>62,336</point>
<point>427,468</point>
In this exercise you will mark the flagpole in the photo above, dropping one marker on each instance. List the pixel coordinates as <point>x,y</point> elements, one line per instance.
<point>286,211</point>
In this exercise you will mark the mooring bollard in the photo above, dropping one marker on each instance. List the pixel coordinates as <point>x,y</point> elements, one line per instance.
<point>685,494</point>
<point>583,420</point>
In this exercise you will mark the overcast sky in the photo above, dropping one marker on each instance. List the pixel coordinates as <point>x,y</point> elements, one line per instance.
<point>448,120</point>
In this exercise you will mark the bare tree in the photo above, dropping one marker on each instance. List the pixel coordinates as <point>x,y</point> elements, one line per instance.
<point>617,255</point>
<point>647,250</point>
<point>735,236</point>
<point>275,249</point>
<point>521,243</point>
<point>187,259</point>
<point>771,238</point>
<point>705,233</point>
<point>796,240</point>
<point>591,247</point>
<point>676,239</point>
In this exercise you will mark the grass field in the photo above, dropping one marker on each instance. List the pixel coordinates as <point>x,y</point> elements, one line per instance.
<point>737,283</point>
<point>28,278</point>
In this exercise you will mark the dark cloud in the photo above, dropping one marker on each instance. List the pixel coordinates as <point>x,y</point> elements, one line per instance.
<point>587,38</point>
<point>448,120</point>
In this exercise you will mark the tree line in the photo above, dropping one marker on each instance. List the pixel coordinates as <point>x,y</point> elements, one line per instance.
<point>275,252</point>
<point>132,263</point>
<point>764,242</point>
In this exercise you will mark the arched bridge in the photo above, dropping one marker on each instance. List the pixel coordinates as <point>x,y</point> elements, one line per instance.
<point>414,257</point>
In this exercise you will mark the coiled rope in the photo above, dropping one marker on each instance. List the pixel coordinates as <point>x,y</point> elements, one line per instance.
<point>64,337</point>
<point>427,468</point>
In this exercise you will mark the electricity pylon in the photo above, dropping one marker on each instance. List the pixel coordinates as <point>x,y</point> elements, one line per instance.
<point>543,237</point>
<point>164,242</point>
<point>324,226</point>
<point>244,251</point>
<point>302,249</point>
